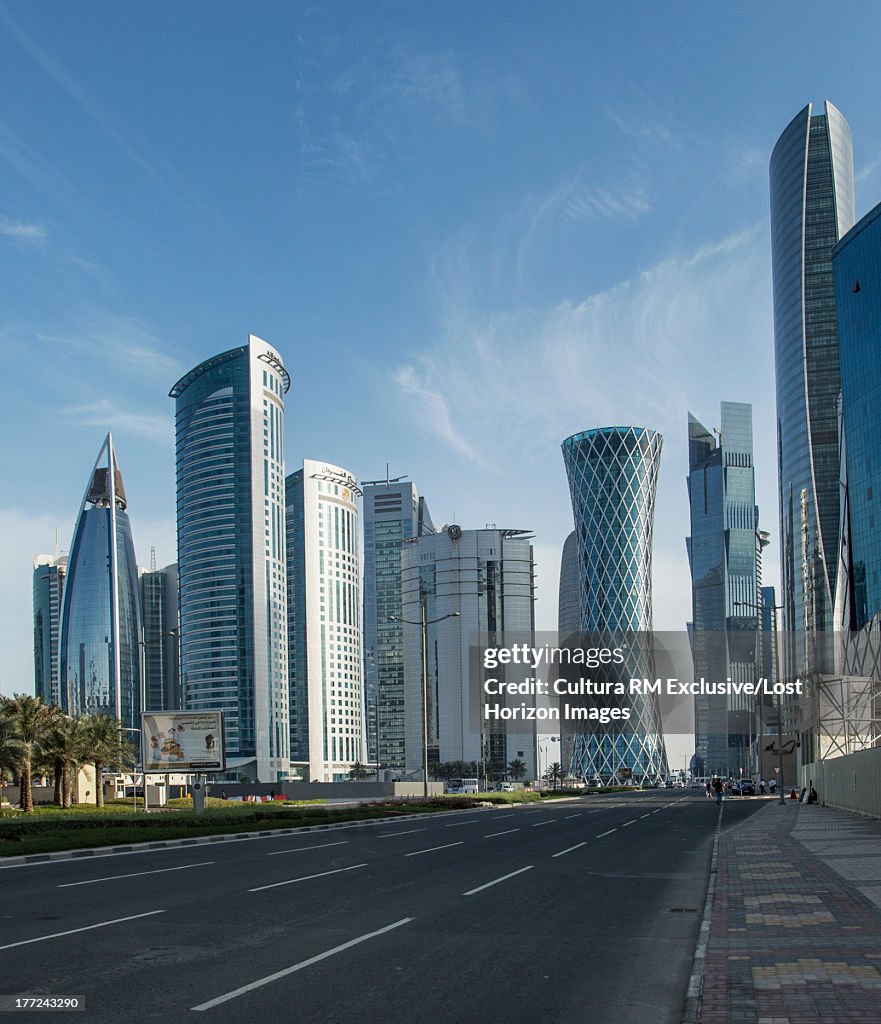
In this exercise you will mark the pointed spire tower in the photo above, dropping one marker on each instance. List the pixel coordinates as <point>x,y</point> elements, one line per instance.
<point>101,618</point>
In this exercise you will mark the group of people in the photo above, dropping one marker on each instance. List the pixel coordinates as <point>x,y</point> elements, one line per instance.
<point>716,788</point>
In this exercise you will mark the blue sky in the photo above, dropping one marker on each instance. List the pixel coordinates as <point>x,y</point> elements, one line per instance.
<point>470,229</point>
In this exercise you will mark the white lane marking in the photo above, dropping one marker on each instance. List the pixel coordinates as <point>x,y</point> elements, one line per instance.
<point>492,835</point>
<point>570,849</point>
<point>611,830</point>
<point>456,824</point>
<point>626,823</point>
<point>305,849</point>
<point>299,967</point>
<point>657,811</point>
<point>410,832</point>
<point>568,816</point>
<point>538,824</point>
<point>134,874</point>
<point>306,878</point>
<point>642,816</point>
<point>496,881</point>
<point>431,849</point>
<point>499,817</point>
<point>87,928</point>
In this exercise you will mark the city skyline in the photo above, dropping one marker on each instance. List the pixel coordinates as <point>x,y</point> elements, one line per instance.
<point>563,303</point>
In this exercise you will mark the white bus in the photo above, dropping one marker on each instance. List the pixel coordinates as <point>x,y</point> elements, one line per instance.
<point>459,786</point>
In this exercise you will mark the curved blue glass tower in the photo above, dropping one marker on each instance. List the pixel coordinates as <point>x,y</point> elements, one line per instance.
<point>613,473</point>
<point>812,206</point>
<point>100,617</point>
<point>229,422</point>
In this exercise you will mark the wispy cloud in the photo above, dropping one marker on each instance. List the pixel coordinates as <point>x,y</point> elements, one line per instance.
<point>135,148</point>
<point>23,231</point>
<point>111,417</point>
<point>606,203</point>
<point>432,411</point>
<point>124,341</point>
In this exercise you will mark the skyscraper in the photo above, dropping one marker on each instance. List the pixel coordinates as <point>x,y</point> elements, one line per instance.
<point>725,585</point>
<point>613,474</point>
<point>161,639</point>
<point>569,605</point>
<point>393,513</point>
<point>101,616</point>
<point>812,206</point>
<point>324,621</point>
<point>488,577</point>
<point>229,417</point>
<point>49,573</point>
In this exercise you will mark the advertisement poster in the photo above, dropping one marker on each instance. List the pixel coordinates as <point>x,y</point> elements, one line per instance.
<point>183,741</point>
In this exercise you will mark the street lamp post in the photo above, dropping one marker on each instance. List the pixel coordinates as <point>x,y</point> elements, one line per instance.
<point>424,623</point>
<point>774,609</point>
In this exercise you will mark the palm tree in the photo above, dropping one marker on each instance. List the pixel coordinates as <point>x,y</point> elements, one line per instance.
<point>64,745</point>
<point>107,747</point>
<point>28,719</point>
<point>358,772</point>
<point>554,774</point>
<point>517,769</point>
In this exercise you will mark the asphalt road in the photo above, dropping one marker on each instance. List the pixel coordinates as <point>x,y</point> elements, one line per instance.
<point>581,910</point>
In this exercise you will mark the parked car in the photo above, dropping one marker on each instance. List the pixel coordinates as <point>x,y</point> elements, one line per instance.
<point>743,787</point>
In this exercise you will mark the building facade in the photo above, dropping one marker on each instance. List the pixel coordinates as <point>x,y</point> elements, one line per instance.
<point>393,513</point>
<point>324,622</point>
<point>613,474</point>
<point>724,555</point>
<point>101,616</point>
<point>812,206</point>
<point>161,658</point>
<point>48,584</point>
<point>488,578</point>
<point>569,606</point>
<point>229,423</point>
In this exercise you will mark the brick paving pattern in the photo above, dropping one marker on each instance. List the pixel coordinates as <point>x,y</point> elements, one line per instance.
<point>795,931</point>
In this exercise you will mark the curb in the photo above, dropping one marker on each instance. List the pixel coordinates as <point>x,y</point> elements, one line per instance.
<point>696,981</point>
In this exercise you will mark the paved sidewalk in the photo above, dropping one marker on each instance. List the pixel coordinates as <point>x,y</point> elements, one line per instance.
<point>795,926</point>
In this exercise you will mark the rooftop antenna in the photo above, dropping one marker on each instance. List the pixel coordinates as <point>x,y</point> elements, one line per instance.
<point>57,549</point>
<point>387,480</point>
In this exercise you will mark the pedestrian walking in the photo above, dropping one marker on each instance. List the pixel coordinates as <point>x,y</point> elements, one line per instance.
<point>719,789</point>
<point>772,785</point>
<point>761,787</point>
<point>709,789</point>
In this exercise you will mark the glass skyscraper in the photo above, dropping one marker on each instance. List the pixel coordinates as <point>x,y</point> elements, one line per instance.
<point>324,621</point>
<point>101,616</point>
<point>569,605</point>
<point>613,474</point>
<point>161,639</point>
<point>725,585</point>
<point>812,206</point>
<point>858,291</point>
<point>229,420</point>
<point>393,513</point>
<point>49,573</point>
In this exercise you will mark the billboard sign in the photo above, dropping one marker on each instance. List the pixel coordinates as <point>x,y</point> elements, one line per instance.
<point>182,741</point>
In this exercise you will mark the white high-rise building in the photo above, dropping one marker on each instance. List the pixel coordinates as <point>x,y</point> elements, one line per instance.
<point>324,622</point>
<point>488,578</point>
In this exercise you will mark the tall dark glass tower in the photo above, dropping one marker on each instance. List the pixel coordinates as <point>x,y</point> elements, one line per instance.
<point>613,473</point>
<point>725,585</point>
<point>101,616</point>
<point>812,206</point>
<point>569,605</point>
